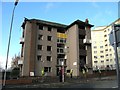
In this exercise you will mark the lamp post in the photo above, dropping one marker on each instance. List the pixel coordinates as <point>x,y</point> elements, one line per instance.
<point>15,4</point>
<point>115,43</point>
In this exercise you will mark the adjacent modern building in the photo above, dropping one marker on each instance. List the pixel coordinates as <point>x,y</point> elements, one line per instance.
<point>49,46</point>
<point>103,57</point>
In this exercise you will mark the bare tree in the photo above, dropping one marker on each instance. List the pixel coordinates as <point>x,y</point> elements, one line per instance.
<point>14,62</point>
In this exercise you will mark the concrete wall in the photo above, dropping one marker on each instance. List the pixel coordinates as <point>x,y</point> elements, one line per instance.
<point>73,49</point>
<point>89,49</point>
<point>32,47</point>
<point>44,63</point>
<point>26,51</point>
<point>29,48</point>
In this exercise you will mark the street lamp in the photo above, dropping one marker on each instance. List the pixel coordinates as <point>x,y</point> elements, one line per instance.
<point>15,4</point>
<point>114,41</point>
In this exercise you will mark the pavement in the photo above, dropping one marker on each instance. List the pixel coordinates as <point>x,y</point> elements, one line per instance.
<point>62,84</point>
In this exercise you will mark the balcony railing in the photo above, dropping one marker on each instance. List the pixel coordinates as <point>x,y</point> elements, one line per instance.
<point>61,62</point>
<point>61,52</point>
<point>21,40</point>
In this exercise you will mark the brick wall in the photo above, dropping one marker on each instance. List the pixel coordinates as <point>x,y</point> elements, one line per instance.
<point>18,81</point>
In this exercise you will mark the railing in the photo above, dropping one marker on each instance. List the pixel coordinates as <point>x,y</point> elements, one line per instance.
<point>60,50</point>
<point>59,62</point>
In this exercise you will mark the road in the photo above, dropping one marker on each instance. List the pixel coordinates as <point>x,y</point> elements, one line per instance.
<point>94,84</point>
<point>108,82</point>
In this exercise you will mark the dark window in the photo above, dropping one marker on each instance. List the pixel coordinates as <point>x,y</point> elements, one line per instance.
<point>107,59</point>
<point>57,40</point>
<point>101,51</point>
<point>57,50</point>
<point>47,69</point>
<point>49,29</point>
<point>68,71</point>
<point>105,35</point>
<point>106,49</point>
<point>107,66</point>
<point>106,40</point>
<point>65,40</point>
<point>106,54</point>
<point>49,48</point>
<point>101,46</point>
<point>111,66</point>
<point>110,60</point>
<point>49,38</point>
<point>61,40</point>
<point>106,45</point>
<point>95,61</point>
<point>40,37</point>
<point>102,56</point>
<point>95,57</point>
<point>95,46</point>
<point>39,47</point>
<point>61,51</point>
<point>95,51</point>
<point>40,27</point>
<point>39,57</point>
<point>48,58</point>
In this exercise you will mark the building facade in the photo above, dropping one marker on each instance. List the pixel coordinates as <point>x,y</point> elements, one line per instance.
<point>49,46</point>
<point>103,57</point>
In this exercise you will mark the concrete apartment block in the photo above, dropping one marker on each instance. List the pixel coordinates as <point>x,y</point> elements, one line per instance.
<point>103,56</point>
<point>48,46</point>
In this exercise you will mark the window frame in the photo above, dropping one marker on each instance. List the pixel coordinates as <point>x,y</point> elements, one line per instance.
<point>50,48</point>
<point>41,27</point>
<point>39,48</point>
<point>50,58</point>
<point>40,37</point>
<point>49,38</point>
<point>39,57</point>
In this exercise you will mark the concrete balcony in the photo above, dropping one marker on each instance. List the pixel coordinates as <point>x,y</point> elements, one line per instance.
<point>82,52</point>
<point>60,50</point>
<point>87,41</point>
<point>61,53</point>
<point>21,40</point>
<point>61,62</point>
<point>82,33</point>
